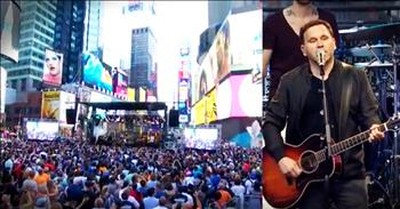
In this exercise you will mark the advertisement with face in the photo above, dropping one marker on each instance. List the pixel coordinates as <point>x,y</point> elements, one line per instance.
<point>51,105</point>
<point>95,74</point>
<point>215,65</point>
<point>52,68</point>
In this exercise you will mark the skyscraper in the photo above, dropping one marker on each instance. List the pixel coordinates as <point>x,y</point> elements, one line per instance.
<point>69,36</point>
<point>92,26</point>
<point>36,34</point>
<point>143,65</point>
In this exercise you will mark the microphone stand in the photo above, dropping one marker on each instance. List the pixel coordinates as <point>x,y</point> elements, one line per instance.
<point>328,136</point>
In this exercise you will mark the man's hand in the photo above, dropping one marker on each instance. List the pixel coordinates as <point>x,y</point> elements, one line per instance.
<point>289,167</point>
<point>375,134</point>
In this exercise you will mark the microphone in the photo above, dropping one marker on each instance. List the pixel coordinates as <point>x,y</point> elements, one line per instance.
<point>321,57</point>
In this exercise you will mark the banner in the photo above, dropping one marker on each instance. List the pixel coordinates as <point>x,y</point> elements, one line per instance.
<point>67,101</point>
<point>52,68</point>
<point>9,29</point>
<point>131,94</point>
<point>50,105</point>
<point>205,110</point>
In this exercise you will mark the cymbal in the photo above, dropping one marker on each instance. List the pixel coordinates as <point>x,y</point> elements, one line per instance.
<point>377,32</point>
<point>375,64</point>
<point>378,49</point>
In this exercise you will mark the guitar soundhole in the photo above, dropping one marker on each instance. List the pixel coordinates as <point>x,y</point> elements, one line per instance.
<point>308,162</point>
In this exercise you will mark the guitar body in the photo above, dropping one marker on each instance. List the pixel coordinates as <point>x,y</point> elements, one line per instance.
<point>281,192</point>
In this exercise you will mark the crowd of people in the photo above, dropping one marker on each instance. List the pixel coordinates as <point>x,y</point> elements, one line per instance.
<point>76,174</point>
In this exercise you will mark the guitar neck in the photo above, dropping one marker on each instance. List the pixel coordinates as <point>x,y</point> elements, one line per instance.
<point>354,140</point>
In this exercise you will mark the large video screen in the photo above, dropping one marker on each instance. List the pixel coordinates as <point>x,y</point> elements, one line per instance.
<point>52,68</point>
<point>94,72</point>
<point>42,130</point>
<point>239,96</point>
<point>9,29</point>
<point>201,138</point>
<point>120,82</point>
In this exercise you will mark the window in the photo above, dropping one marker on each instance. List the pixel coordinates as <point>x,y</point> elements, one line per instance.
<point>23,84</point>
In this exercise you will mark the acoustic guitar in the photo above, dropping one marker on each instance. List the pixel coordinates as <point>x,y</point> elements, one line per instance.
<point>283,192</point>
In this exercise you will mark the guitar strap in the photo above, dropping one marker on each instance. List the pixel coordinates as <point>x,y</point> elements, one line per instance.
<point>345,101</point>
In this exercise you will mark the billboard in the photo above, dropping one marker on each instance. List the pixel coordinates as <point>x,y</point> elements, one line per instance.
<point>120,83</point>
<point>50,105</point>
<point>67,101</point>
<point>41,130</point>
<point>94,72</point>
<point>246,48</point>
<point>9,29</point>
<point>239,96</point>
<point>216,64</point>
<point>201,137</point>
<point>52,68</point>
<point>131,94</point>
<point>205,110</point>
<point>3,83</point>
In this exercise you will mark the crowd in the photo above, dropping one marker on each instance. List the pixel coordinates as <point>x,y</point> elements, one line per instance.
<point>72,174</point>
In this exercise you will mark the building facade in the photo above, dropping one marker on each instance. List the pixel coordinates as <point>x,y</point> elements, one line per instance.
<point>36,35</point>
<point>143,72</point>
<point>69,37</point>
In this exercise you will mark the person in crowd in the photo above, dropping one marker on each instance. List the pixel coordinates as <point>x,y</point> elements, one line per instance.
<point>281,38</point>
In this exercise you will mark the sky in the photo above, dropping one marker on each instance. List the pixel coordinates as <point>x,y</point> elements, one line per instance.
<point>176,23</point>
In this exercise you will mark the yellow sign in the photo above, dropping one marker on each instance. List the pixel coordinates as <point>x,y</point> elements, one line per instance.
<point>51,105</point>
<point>131,94</point>
<point>205,110</point>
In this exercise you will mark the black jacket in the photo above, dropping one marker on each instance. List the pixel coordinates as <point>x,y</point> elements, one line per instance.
<point>357,110</point>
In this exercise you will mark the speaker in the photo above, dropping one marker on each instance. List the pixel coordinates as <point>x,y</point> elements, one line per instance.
<point>71,113</point>
<point>173,118</point>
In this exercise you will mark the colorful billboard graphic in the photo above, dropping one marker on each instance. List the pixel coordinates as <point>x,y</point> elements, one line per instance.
<point>9,29</point>
<point>94,72</point>
<point>215,66</point>
<point>205,110</point>
<point>239,96</point>
<point>131,94</point>
<point>120,83</point>
<point>52,68</point>
<point>50,105</point>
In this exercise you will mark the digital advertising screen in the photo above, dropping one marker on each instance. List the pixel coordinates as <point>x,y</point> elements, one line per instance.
<point>205,110</point>
<point>67,101</point>
<point>50,105</point>
<point>41,130</point>
<point>94,72</point>
<point>246,48</point>
<point>120,82</point>
<point>215,65</point>
<point>201,137</point>
<point>239,96</point>
<point>9,29</point>
<point>52,68</point>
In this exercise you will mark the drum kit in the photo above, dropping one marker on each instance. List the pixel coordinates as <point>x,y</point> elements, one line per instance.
<point>381,62</point>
